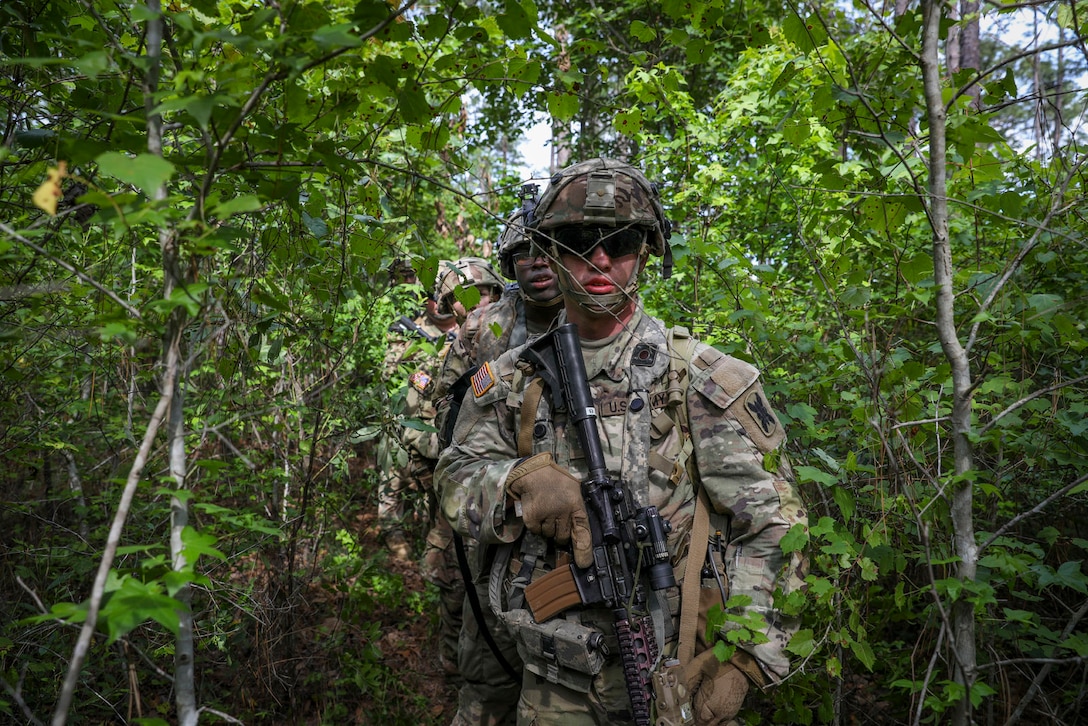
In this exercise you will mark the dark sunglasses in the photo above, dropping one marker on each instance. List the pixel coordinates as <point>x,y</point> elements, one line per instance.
<point>616,242</point>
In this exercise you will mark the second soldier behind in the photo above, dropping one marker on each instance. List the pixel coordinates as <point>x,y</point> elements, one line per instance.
<point>492,681</point>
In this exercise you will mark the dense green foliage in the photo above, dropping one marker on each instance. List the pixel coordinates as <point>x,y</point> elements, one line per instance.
<point>253,184</point>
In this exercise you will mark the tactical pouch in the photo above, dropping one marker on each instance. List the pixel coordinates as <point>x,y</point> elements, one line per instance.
<point>671,698</point>
<point>559,650</point>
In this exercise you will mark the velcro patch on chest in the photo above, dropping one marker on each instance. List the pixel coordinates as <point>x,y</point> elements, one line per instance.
<point>420,380</point>
<point>482,380</point>
<point>611,405</point>
<point>618,403</point>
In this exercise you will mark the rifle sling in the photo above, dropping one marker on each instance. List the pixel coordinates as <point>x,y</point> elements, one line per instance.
<point>689,597</point>
<point>530,402</point>
<point>477,611</point>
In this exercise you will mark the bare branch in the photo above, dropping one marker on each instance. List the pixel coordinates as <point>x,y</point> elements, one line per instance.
<point>1033,511</point>
<point>1027,399</point>
<point>73,269</point>
<point>79,654</point>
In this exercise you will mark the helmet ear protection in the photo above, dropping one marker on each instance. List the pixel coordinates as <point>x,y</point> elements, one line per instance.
<point>609,193</point>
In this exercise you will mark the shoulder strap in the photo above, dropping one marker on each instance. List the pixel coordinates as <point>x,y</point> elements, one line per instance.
<point>529,403</point>
<point>681,353</point>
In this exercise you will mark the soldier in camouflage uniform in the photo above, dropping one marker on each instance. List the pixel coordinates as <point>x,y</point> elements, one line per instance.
<point>439,563</point>
<point>685,427</point>
<point>412,347</point>
<point>489,694</point>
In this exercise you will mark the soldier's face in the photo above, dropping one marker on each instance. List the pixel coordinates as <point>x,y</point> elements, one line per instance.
<point>535,276</point>
<point>598,273</point>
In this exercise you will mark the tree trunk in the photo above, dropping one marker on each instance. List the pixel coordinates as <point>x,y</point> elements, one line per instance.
<point>970,51</point>
<point>965,547</point>
<point>184,681</point>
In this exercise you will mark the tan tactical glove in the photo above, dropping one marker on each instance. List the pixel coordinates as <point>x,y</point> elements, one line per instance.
<point>717,689</point>
<point>551,504</point>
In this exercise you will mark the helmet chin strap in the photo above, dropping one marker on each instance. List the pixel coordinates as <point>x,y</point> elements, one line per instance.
<point>609,304</point>
<point>557,300</point>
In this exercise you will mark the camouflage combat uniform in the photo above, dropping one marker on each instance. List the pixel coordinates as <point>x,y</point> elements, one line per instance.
<point>488,696</point>
<point>405,459</point>
<point>733,448</point>
<point>439,564</point>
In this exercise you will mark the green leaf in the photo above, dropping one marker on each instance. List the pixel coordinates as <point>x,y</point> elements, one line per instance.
<point>199,106</point>
<point>629,122</point>
<point>145,171</point>
<point>802,643</point>
<point>123,330</point>
<point>188,297</point>
<point>642,32</point>
<point>413,106</point>
<point>243,203</point>
<point>795,540</point>
<point>337,36</point>
<point>784,77</point>
<point>863,652</point>
<point>197,544</point>
<point>134,602</point>
<point>562,105</point>
<point>369,13</point>
<point>845,499</point>
<point>514,20</point>
<point>811,473</point>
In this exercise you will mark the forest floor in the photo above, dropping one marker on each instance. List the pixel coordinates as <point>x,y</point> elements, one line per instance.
<point>408,645</point>
<point>354,643</point>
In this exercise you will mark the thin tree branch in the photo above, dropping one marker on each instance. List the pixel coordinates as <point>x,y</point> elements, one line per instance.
<point>79,654</point>
<point>1033,511</point>
<point>1041,676</point>
<point>73,269</point>
<point>1027,399</point>
<point>17,696</point>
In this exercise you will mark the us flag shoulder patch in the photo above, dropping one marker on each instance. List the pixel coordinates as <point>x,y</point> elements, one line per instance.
<point>482,380</point>
<point>420,380</point>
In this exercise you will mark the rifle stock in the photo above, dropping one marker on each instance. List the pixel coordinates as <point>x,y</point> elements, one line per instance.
<point>625,540</point>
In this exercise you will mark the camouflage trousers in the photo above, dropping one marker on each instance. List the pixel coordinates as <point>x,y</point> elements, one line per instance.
<point>488,696</point>
<point>549,704</point>
<point>439,567</point>
<point>404,477</point>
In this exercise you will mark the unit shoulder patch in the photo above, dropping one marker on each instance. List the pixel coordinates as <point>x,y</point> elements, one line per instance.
<point>757,408</point>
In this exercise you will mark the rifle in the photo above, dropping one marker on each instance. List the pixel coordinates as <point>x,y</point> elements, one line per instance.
<point>629,545</point>
<point>406,326</point>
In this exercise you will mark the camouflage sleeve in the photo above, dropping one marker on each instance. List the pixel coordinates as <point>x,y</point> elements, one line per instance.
<point>421,436</point>
<point>471,473</point>
<point>740,462</point>
<point>458,359</point>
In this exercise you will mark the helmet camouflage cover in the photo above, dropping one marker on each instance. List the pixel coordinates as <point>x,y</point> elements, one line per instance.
<point>607,192</point>
<point>465,272</point>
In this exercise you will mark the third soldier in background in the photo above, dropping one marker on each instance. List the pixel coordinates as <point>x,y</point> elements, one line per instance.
<point>492,682</point>
<point>439,564</point>
<point>414,346</point>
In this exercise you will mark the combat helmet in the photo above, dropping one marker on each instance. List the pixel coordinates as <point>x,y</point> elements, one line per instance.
<point>517,233</point>
<point>464,272</point>
<point>604,193</point>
